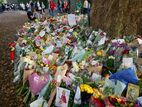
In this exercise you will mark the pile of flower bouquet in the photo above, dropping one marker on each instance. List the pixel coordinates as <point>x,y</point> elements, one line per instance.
<point>62,65</point>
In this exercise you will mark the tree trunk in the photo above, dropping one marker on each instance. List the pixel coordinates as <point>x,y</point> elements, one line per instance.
<point>117,17</point>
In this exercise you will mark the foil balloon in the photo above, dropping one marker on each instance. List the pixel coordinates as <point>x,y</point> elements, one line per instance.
<point>37,82</point>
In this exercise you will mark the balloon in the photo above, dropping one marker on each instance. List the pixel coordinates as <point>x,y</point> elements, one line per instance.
<point>37,82</point>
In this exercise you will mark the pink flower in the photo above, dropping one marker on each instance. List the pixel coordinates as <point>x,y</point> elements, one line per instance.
<point>45,61</point>
<point>37,38</point>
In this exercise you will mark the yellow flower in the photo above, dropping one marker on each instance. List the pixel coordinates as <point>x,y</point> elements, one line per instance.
<point>41,65</point>
<point>86,88</point>
<point>100,53</point>
<point>90,91</point>
<point>118,100</point>
<point>75,33</point>
<point>12,49</point>
<point>82,88</point>
<point>75,66</point>
<point>96,93</point>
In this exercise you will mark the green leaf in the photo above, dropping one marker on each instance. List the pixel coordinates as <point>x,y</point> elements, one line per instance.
<point>27,97</point>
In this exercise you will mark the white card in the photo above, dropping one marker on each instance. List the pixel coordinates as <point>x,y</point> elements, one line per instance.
<point>114,40</point>
<point>140,100</point>
<point>47,29</point>
<point>77,97</point>
<point>96,77</point>
<point>39,103</point>
<point>59,43</point>
<point>45,22</point>
<point>71,19</point>
<point>119,88</point>
<point>53,33</point>
<point>139,41</point>
<point>48,50</point>
<point>62,97</point>
<point>72,76</point>
<point>120,41</point>
<point>42,33</point>
<point>45,69</point>
<point>102,41</point>
<point>127,62</point>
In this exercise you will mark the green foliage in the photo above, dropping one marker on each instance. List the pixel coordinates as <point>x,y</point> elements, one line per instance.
<point>140,84</point>
<point>87,54</point>
<point>25,91</point>
<point>108,91</point>
<point>78,81</point>
<point>1,1</point>
<point>110,63</point>
<point>93,84</point>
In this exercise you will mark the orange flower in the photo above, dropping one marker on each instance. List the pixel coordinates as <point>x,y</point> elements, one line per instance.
<point>107,76</point>
<point>53,67</point>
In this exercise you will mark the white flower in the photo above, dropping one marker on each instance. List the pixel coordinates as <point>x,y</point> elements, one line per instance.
<point>75,66</point>
<point>50,57</point>
<point>111,57</point>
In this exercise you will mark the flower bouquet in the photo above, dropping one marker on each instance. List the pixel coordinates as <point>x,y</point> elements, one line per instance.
<point>86,93</point>
<point>96,102</point>
<point>118,101</point>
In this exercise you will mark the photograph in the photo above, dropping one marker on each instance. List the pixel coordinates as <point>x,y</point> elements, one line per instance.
<point>132,92</point>
<point>62,97</point>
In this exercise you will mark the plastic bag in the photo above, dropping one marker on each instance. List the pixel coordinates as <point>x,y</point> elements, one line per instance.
<point>126,76</point>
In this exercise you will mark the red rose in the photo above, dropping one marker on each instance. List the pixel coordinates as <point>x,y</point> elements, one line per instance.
<point>12,44</point>
<point>57,50</point>
<point>98,103</point>
<point>54,82</point>
<point>126,51</point>
<point>65,28</point>
<point>122,102</point>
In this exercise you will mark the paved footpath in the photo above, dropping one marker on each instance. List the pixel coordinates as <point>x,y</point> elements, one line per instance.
<point>10,22</point>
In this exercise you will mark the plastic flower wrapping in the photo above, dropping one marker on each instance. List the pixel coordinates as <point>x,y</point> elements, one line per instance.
<point>92,68</point>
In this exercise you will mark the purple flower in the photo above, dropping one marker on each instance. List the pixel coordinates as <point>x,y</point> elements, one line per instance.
<point>114,44</point>
<point>111,52</point>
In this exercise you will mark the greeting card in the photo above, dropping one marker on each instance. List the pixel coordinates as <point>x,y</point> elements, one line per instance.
<point>62,97</point>
<point>132,92</point>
